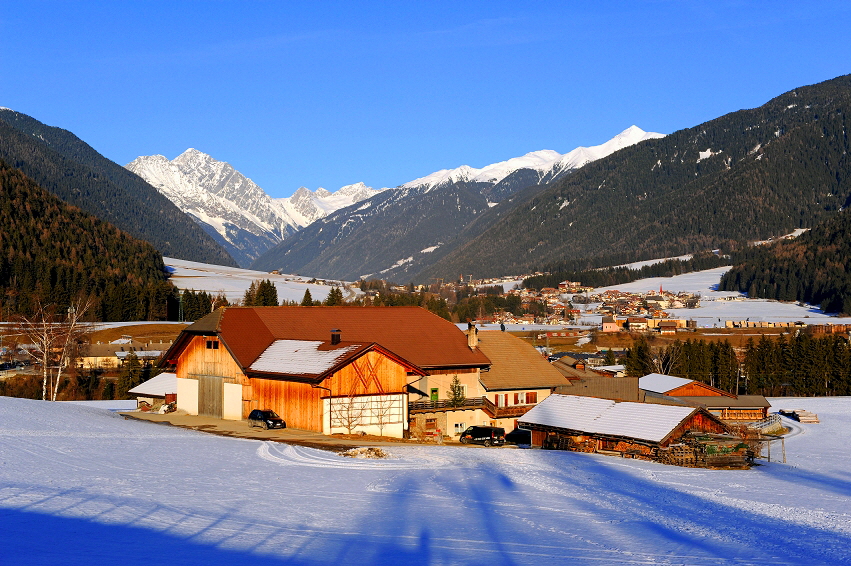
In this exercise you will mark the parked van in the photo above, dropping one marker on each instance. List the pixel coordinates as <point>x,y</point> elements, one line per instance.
<point>485,435</point>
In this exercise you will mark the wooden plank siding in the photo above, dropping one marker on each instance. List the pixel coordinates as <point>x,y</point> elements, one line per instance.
<point>197,360</point>
<point>300,405</point>
<point>698,421</point>
<point>696,389</point>
<point>210,396</point>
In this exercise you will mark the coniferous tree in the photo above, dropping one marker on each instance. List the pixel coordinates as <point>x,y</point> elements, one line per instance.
<point>266,294</point>
<point>335,297</point>
<point>307,300</point>
<point>455,395</point>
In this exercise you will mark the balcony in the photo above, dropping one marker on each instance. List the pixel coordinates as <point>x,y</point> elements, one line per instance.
<point>471,403</point>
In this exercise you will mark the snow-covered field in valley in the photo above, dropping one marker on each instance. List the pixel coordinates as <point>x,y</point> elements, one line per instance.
<point>234,281</point>
<point>82,485</point>
<point>715,308</point>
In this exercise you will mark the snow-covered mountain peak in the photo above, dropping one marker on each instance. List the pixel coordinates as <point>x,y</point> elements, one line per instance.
<point>234,209</point>
<point>547,162</point>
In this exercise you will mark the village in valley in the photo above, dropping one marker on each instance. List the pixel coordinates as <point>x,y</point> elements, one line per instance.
<point>401,389</point>
<point>425,284</point>
<point>552,378</point>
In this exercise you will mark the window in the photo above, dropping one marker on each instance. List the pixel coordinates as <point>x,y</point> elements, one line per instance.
<point>431,424</point>
<point>531,398</point>
<point>212,344</point>
<point>460,427</point>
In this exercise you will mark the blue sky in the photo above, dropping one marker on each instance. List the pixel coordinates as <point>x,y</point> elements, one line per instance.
<point>332,93</point>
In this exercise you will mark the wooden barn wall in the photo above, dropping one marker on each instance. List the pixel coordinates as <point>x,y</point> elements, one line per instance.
<point>197,360</point>
<point>210,396</point>
<point>300,405</point>
<point>370,374</point>
<point>699,421</point>
<point>695,390</point>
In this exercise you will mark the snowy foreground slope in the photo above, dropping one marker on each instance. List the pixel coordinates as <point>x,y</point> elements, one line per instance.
<point>81,485</point>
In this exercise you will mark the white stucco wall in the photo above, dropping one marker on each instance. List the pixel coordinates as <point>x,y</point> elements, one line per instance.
<point>393,407</point>
<point>232,402</point>
<point>187,395</point>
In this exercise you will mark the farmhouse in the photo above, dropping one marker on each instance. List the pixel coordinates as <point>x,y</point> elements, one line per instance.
<point>723,404</point>
<point>664,433</point>
<point>517,379</point>
<point>324,369</point>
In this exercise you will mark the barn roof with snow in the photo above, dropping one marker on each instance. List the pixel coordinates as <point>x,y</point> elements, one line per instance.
<point>660,383</point>
<point>589,415</point>
<point>315,360</point>
<point>158,386</point>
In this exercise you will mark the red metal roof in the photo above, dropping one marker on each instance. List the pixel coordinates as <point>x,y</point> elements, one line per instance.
<point>412,333</point>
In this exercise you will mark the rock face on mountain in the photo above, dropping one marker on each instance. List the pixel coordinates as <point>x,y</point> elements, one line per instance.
<point>398,233</point>
<point>232,208</point>
<point>65,165</point>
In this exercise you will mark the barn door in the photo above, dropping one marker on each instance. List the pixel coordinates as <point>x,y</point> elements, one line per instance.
<point>210,396</point>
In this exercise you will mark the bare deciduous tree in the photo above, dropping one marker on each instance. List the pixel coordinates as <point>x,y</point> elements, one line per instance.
<point>53,338</point>
<point>346,412</point>
<point>383,412</point>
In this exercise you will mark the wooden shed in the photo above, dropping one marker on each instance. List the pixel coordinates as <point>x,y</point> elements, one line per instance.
<point>723,404</point>
<point>639,430</point>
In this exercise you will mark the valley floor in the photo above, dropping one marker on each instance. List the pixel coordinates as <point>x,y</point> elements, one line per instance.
<point>82,485</point>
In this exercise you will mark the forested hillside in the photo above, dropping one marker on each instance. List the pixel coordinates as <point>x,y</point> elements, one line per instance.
<point>53,252</point>
<point>63,164</point>
<point>814,268</point>
<point>744,176</point>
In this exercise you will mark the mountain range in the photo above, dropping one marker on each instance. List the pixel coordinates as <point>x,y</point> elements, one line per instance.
<point>269,233</point>
<point>231,208</point>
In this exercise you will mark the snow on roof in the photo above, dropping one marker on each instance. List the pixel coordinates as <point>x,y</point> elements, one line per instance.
<point>300,357</point>
<point>660,383</point>
<point>158,385</point>
<point>602,416</point>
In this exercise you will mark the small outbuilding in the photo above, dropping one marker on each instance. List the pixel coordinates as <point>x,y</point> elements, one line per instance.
<point>666,433</point>
<point>156,391</point>
<point>723,404</point>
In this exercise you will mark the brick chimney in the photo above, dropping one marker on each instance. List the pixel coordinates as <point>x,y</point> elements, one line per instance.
<point>335,336</point>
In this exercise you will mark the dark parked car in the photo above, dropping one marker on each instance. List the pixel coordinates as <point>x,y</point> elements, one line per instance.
<point>266,419</point>
<point>486,435</point>
<point>519,436</point>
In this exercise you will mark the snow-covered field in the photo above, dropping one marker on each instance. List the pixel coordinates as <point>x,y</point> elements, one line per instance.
<point>234,281</point>
<point>81,485</point>
<point>714,309</point>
